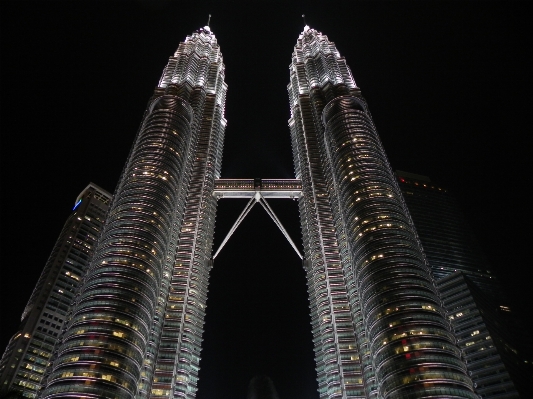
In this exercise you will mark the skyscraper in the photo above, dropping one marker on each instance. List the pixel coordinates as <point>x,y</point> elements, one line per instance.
<point>136,324</point>
<point>447,238</point>
<point>482,335</point>
<point>24,362</point>
<point>378,327</point>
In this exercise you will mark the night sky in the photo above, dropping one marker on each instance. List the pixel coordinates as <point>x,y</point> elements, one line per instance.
<point>448,85</point>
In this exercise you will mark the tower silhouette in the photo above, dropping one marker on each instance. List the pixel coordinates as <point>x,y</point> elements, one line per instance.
<point>135,328</point>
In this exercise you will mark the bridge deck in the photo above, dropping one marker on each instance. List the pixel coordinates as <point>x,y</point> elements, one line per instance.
<point>247,188</point>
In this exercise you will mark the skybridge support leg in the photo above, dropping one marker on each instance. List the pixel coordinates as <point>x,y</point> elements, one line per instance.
<point>255,199</point>
<point>271,213</point>
<point>241,217</point>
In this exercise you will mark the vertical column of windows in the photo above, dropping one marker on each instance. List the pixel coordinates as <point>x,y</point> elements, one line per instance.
<point>177,367</point>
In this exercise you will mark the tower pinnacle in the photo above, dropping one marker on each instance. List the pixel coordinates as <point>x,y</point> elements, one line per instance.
<point>207,28</point>
<point>306,27</point>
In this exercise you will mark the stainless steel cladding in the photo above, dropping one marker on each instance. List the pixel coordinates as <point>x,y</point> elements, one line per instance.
<point>379,330</point>
<point>141,307</point>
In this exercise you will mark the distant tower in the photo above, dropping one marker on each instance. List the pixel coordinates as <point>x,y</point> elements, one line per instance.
<point>483,337</point>
<point>378,327</point>
<point>137,323</point>
<point>28,352</point>
<point>471,295</point>
<point>447,238</point>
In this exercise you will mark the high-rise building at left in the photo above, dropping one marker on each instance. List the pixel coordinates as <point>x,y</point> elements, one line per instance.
<point>136,325</point>
<point>29,350</point>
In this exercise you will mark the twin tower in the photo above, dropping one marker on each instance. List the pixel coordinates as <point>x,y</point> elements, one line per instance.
<point>135,329</point>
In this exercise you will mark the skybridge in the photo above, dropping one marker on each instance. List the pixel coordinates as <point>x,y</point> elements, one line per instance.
<point>268,188</point>
<point>257,190</point>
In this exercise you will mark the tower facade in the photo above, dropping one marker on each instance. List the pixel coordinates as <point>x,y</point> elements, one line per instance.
<point>379,329</point>
<point>29,351</point>
<point>137,322</point>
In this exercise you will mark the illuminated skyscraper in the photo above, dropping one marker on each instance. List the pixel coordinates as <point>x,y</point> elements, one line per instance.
<point>29,351</point>
<point>379,329</point>
<point>137,323</point>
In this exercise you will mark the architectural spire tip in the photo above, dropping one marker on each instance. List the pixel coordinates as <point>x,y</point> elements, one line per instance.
<point>306,27</point>
<point>207,28</point>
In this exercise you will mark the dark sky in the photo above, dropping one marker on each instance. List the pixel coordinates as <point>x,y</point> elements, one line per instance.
<point>448,84</point>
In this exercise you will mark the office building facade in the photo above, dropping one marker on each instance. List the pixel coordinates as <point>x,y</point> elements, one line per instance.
<point>448,241</point>
<point>481,335</point>
<point>29,351</point>
<point>378,327</point>
<point>137,323</point>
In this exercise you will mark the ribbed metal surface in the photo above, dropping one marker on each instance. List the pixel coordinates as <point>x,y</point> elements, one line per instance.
<point>178,357</point>
<point>338,360</point>
<point>145,254</point>
<point>405,347</point>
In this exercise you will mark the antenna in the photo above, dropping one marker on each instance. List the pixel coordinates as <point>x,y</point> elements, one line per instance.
<point>208,19</point>
<point>303,16</point>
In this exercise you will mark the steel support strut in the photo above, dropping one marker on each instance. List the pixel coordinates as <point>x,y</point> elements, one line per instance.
<point>255,199</point>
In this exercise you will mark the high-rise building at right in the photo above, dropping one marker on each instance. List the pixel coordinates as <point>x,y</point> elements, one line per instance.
<point>378,326</point>
<point>479,313</point>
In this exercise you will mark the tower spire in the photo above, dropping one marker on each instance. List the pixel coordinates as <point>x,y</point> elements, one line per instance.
<point>209,20</point>
<point>306,27</point>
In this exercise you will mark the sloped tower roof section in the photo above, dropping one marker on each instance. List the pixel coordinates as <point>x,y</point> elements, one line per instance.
<point>190,63</point>
<point>323,63</point>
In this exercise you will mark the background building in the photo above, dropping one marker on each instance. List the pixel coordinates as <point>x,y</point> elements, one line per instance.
<point>28,352</point>
<point>490,338</point>
<point>488,348</point>
<point>447,238</point>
